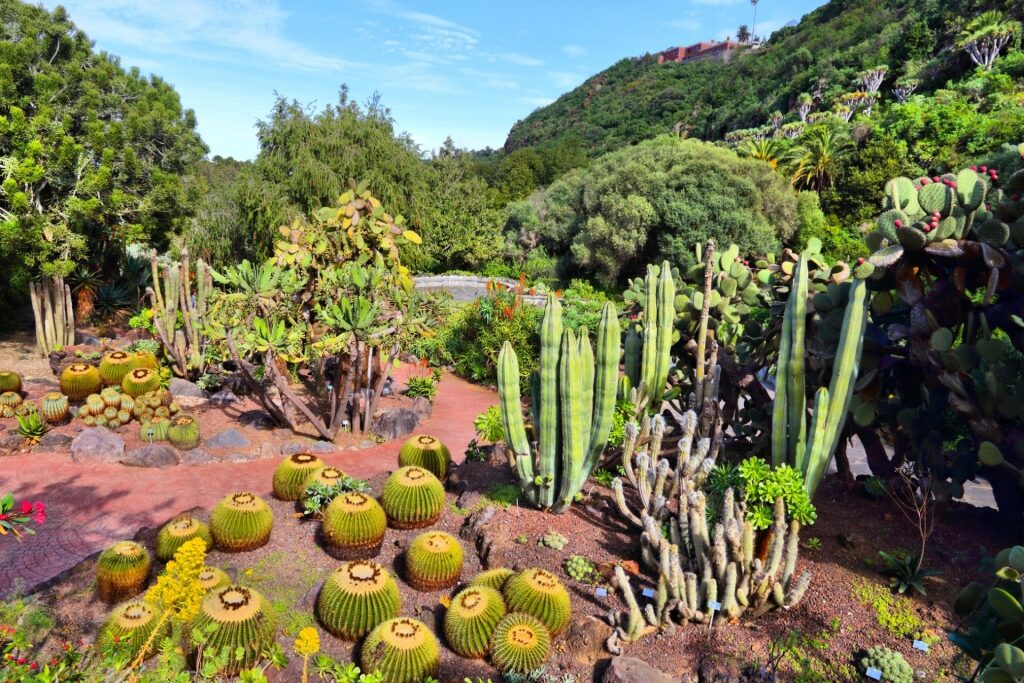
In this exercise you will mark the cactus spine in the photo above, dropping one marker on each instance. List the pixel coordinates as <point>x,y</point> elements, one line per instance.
<point>810,450</point>
<point>574,404</point>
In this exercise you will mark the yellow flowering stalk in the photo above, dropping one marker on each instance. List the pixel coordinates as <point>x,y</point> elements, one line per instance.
<point>178,591</point>
<point>307,645</point>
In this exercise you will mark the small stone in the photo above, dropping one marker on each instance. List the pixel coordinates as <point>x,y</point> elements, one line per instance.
<point>54,441</point>
<point>97,444</point>
<point>197,456</point>
<point>584,643</point>
<point>153,455</point>
<point>394,423</point>
<point>633,670</point>
<point>422,406</point>
<point>257,419</point>
<point>323,448</point>
<point>223,397</point>
<point>229,438</point>
<point>11,442</point>
<point>182,387</point>
<point>242,456</point>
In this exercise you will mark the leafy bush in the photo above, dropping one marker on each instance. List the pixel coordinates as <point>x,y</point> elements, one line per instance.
<point>490,426</point>
<point>763,484</point>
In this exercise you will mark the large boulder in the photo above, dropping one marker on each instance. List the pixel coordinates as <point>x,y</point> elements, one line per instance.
<point>97,444</point>
<point>394,423</point>
<point>633,670</point>
<point>152,455</point>
<point>53,441</point>
<point>229,438</point>
<point>182,387</point>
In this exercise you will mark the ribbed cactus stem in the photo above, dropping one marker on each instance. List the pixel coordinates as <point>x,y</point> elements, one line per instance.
<point>510,402</point>
<point>792,550</point>
<point>571,405</point>
<point>666,320</point>
<point>794,377</point>
<point>548,441</point>
<point>632,349</point>
<point>730,607</point>
<point>635,619</point>
<point>702,330</point>
<point>620,500</point>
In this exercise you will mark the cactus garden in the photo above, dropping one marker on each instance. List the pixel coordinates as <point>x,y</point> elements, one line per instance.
<point>712,372</point>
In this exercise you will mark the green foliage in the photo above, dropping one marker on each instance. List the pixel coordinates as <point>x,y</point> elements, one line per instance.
<point>652,202</point>
<point>425,387</point>
<point>763,484</point>
<point>993,616</point>
<point>895,613</point>
<point>837,243</point>
<point>317,495</point>
<point>904,573</point>
<point>489,426</point>
<point>95,156</point>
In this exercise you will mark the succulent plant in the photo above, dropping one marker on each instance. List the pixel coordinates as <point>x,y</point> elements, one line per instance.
<point>176,533</point>
<point>892,665</point>
<point>114,366</point>
<point>353,526</point>
<point>412,498</point>
<point>9,402</point>
<point>293,474</point>
<point>111,397</point>
<point>183,432</point>
<point>10,381</point>
<point>492,578</point>
<point>553,540</point>
<point>78,380</point>
<point>581,568</point>
<point>433,561</point>
<point>213,577</point>
<point>121,571</point>
<point>403,650</point>
<point>356,598</point>
<point>154,430</point>
<point>133,625</point>
<point>539,592</point>
<point>470,620</point>
<point>55,407</point>
<point>240,522</point>
<point>426,452</point>
<point>236,620</point>
<point>140,381</point>
<point>520,644</point>
<point>140,358</point>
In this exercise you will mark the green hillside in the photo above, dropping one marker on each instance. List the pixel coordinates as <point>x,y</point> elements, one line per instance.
<point>637,98</point>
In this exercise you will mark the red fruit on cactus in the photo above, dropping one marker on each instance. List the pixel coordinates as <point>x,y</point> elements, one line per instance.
<point>974,168</point>
<point>860,261</point>
<point>984,169</point>
<point>898,223</point>
<point>924,181</point>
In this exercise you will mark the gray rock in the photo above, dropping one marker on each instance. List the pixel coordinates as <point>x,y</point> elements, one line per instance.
<point>85,339</point>
<point>258,419</point>
<point>633,670</point>
<point>197,456</point>
<point>229,438</point>
<point>422,406</point>
<point>324,448</point>
<point>393,423</point>
<point>223,397</point>
<point>182,387</point>
<point>153,455</point>
<point>584,643</point>
<point>97,444</point>
<point>242,456</point>
<point>11,441</point>
<point>308,446</point>
<point>54,441</point>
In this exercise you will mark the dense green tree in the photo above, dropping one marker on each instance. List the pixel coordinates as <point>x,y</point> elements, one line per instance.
<point>818,156</point>
<point>659,199</point>
<point>93,157</point>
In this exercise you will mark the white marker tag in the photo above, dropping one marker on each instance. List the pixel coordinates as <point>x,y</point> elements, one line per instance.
<point>648,592</point>
<point>714,606</point>
<point>873,673</point>
<point>921,645</point>
<point>601,592</point>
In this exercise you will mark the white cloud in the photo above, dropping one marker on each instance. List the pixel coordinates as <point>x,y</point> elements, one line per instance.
<point>515,58</point>
<point>718,3</point>
<point>574,51</point>
<point>229,31</point>
<point>565,79</point>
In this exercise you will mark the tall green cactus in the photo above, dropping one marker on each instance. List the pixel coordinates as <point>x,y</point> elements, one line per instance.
<point>648,355</point>
<point>573,399</point>
<point>810,450</point>
<point>172,293</point>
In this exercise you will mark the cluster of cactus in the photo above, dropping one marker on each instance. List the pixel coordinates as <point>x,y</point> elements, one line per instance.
<point>154,430</point>
<point>135,625</point>
<point>171,297</point>
<point>158,403</point>
<point>994,617</point>
<point>241,522</point>
<point>10,403</point>
<point>78,380</point>
<point>177,532</point>
<point>581,568</point>
<point>520,644</point>
<point>10,381</point>
<point>470,620</point>
<point>121,571</point>
<point>698,565</point>
<point>426,452</point>
<point>892,666</point>
<point>810,448</point>
<point>413,498</point>
<point>573,407</point>
<point>353,526</point>
<point>356,598</point>
<point>293,474</point>
<point>553,540</point>
<point>237,621</point>
<point>540,594</point>
<point>54,314</point>
<point>109,408</point>
<point>433,561</point>
<point>402,650</point>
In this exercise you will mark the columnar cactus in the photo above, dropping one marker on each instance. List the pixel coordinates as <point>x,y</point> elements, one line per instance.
<point>573,407</point>
<point>648,354</point>
<point>810,451</point>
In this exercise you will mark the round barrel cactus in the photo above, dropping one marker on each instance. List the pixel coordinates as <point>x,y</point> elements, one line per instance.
<point>54,407</point>
<point>114,366</point>
<point>292,475</point>
<point>133,625</point>
<point>140,381</point>
<point>426,452</point>
<point>520,644</point>
<point>78,380</point>
<point>353,526</point>
<point>492,578</point>
<point>470,620</point>
<point>183,432</point>
<point>10,381</point>
<point>177,532</point>
<point>121,571</point>
<point>403,650</point>
<point>539,592</point>
<point>433,561</point>
<point>236,620</point>
<point>412,498</point>
<point>241,522</point>
<point>357,597</point>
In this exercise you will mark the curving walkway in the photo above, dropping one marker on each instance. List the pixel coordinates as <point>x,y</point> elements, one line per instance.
<point>90,506</point>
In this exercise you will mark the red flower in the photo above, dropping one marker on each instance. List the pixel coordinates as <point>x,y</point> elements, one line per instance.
<point>26,507</point>
<point>3,517</point>
<point>21,660</point>
<point>34,666</point>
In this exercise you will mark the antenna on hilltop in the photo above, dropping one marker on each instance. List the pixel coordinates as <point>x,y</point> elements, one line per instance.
<point>753,26</point>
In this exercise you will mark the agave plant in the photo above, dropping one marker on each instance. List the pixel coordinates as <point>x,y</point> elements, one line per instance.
<point>32,426</point>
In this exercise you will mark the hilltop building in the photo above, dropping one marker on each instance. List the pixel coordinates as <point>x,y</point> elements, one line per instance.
<point>719,51</point>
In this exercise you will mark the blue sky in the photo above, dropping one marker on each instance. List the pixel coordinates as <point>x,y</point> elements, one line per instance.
<point>450,67</point>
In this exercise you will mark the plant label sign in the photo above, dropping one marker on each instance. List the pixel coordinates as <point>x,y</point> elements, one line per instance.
<point>921,645</point>
<point>714,606</point>
<point>648,592</point>
<point>601,592</point>
<point>873,673</point>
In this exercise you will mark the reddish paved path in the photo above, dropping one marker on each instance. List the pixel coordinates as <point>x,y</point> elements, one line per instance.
<point>90,506</point>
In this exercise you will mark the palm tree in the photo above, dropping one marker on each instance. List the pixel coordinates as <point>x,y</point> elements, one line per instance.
<point>815,161</point>
<point>743,34</point>
<point>986,35</point>
<point>768,150</point>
